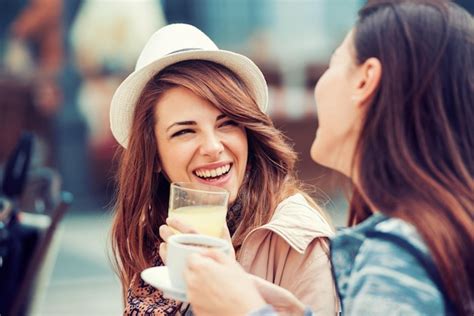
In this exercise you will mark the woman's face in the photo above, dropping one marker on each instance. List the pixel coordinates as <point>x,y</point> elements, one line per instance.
<point>197,143</point>
<point>338,113</point>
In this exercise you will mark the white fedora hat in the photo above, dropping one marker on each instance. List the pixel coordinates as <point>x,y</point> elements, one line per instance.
<point>169,45</point>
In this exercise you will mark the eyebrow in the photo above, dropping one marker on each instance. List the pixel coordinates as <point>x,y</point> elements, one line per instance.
<point>218,118</point>
<point>181,123</point>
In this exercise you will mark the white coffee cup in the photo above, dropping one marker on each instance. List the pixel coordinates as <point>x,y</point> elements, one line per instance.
<point>180,246</point>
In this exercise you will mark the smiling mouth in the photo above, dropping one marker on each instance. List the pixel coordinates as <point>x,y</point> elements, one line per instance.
<point>213,174</point>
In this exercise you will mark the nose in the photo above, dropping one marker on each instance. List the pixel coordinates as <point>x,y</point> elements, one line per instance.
<point>211,145</point>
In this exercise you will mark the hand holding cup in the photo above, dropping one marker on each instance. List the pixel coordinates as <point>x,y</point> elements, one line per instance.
<point>181,246</point>
<point>172,227</point>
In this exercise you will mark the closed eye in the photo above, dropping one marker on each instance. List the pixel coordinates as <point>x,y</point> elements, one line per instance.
<point>182,132</point>
<point>229,123</point>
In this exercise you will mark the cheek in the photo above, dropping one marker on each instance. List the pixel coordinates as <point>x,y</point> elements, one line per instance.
<point>173,165</point>
<point>324,104</point>
<point>242,150</point>
<point>327,98</point>
<point>324,98</point>
<point>321,87</point>
<point>238,144</point>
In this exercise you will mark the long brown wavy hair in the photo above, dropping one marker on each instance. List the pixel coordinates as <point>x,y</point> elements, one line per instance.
<point>143,192</point>
<point>414,158</point>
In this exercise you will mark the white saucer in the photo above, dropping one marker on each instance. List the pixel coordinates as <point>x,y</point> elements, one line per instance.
<point>158,277</point>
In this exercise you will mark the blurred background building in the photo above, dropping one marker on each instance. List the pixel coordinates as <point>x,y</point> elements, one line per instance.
<point>61,61</point>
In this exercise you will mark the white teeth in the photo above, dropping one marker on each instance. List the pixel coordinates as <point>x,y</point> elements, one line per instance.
<point>212,173</point>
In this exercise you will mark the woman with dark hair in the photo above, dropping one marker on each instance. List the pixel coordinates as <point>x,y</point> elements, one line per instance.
<point>193,113</point>
<point>395,112</point>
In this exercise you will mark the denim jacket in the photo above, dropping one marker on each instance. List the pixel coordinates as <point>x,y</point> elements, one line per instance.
<point>383,267</point>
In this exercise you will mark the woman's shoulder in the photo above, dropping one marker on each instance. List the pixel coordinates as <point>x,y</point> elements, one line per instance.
<point>294,223</point>
<point>385,260</point>
<point>383,233</point>
<point>379,238</point>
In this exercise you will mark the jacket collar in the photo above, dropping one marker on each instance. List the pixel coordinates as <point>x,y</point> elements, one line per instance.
<point>297,223</point>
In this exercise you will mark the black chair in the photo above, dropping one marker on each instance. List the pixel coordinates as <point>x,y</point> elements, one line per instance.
<point>42,206</point>
<point>32,207</point>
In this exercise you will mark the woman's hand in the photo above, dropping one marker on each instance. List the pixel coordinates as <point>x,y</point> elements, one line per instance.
<point>226,236</point>
<point>217,285</point>
<point>172,226</point>
<point>282,300</point>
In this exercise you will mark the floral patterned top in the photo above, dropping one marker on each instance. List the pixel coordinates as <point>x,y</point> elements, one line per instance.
<point>144,299</point>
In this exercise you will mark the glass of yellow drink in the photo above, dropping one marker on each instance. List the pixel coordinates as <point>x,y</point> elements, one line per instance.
<point>199,206</point>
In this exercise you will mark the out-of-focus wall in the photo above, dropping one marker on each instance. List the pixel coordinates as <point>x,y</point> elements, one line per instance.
<point>98,41</point>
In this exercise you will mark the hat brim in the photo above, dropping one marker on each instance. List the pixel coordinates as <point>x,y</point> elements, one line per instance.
<point>127,94</point>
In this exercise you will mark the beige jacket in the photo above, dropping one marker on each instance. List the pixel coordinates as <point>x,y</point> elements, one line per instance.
<point>290,251</point>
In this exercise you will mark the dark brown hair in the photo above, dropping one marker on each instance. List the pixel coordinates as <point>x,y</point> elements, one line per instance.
<point>142,200</point>
<point>415,157</point>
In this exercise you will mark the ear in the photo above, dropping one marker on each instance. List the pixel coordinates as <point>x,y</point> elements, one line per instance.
<point>368,80</point>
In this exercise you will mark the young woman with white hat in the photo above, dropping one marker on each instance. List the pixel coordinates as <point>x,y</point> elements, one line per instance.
<point>188,110</point>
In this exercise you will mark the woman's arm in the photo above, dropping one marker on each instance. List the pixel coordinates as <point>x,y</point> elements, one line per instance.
<point>279,299</point>
<point>217,285</point>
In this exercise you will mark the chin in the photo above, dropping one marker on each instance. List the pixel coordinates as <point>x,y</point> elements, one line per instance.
<point>314,152</point>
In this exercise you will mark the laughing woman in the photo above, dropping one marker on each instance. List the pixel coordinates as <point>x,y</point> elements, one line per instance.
<point>190,107</point>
